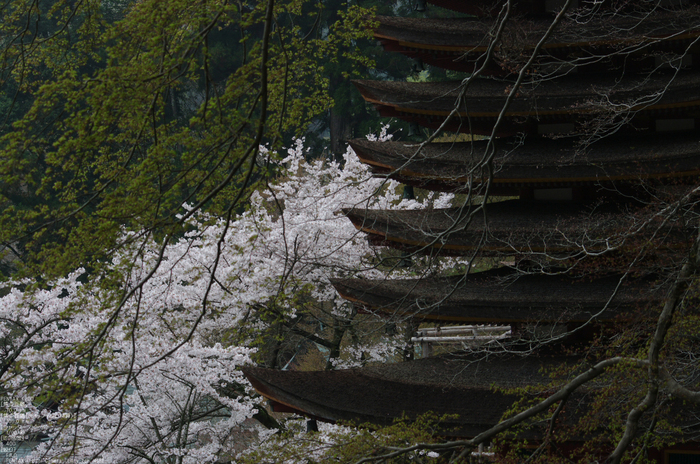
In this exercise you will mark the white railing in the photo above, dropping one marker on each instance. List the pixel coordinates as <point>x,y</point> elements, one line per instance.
<point>468,335</point>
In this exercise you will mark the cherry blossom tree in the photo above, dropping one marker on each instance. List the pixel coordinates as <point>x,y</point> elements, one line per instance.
<point>140,365</point>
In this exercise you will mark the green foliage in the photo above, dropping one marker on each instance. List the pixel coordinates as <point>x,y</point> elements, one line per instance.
<point>132,110</point>
<point>348,444</point>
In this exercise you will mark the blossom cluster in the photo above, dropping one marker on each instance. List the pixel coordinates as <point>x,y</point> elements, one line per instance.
<point>144,366</point>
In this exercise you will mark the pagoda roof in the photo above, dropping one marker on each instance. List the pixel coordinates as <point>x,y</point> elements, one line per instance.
<point>505,296</point>
<point>526,7</point>
<point>569,99</point>
<point>513,226</point>
<point>462,385</point>
<point>456,43</point>
<point>535,162</point>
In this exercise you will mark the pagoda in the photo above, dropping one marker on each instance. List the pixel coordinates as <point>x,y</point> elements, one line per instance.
<point>585,142</point>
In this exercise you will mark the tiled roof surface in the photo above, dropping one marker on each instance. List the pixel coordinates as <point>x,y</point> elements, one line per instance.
<point>570,95</point>
<point>507,296</point>
<point>466,385</point>
<point>511,227</point>
<point>470,33</point>
<point>536,161</point>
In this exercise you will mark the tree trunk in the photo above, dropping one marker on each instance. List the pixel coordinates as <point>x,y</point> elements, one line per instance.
<point>341,132</point>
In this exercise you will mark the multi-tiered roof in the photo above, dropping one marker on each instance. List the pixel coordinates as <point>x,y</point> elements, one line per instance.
<point>603,122</point>
<point>461,45</point>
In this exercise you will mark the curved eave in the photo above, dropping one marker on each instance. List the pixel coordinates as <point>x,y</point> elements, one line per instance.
<point>285,401</point>
<point>462,386</point>
<point>502,246</point>
<point>490,8</point>
<point>387,108</point>
<point>665,30</point>
<point>382,232</point>
<point>468,388</point>
<point>564,99</point>
<point>472,51</point>
<point>453,167</point>
<point>459,184</point>
<point>469,60</point>
<point>349,396</point>
<point>513,227</point>
<point>488,298</point>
